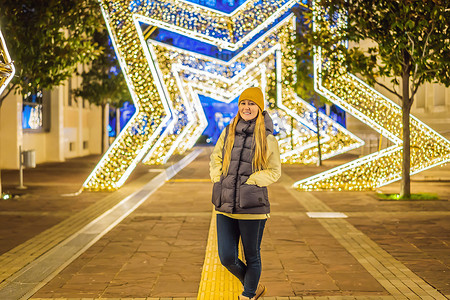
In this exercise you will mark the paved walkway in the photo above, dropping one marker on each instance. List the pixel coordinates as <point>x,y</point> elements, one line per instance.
<point>165,247</point>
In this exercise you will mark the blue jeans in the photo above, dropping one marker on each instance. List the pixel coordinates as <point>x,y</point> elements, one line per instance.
<point>250,231</point>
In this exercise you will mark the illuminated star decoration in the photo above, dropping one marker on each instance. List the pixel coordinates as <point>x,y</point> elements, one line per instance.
<point>168,115</point>
<point>7,69</point>
<point>187,74</point>
<point>224,81</point>
<point>428,148</point>
<point>154,112</point>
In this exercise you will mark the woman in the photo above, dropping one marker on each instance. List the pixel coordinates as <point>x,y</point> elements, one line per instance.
<point>245,160</point>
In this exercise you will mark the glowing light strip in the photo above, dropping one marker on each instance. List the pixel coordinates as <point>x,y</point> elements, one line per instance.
<point>191,111</point>
<point>199,129</point>
<point>7,67</point>
<point>131,144</point>
<point>150,56</point>
<point>194,107</point>
<point>269,21</point>
<point>162,90</point>
<point>219,42</point>
<point>201,7</point>
<point>188,16</point>
<point>304,147</point>
<point>223,94</point>
<point>159,151</point>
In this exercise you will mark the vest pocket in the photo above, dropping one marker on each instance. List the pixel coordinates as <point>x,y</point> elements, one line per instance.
<point>252,196</point>
<point>216,194</point>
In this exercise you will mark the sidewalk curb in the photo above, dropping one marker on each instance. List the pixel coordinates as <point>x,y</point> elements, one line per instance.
<point>24,283</point>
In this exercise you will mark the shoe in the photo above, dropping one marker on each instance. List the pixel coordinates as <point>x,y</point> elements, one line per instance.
<point>260,291</point>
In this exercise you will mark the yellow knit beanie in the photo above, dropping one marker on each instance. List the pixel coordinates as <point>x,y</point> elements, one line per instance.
<point>254,94</point>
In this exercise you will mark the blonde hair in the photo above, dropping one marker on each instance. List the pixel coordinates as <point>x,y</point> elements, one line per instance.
<point>259,146</point>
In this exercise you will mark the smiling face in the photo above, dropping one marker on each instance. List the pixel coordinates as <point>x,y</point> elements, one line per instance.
<point>248,110</point>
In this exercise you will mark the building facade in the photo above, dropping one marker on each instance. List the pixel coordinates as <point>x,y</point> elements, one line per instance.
<point>52,124</point>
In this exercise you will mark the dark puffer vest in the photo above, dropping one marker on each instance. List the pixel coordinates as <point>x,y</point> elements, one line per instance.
<point>231,194</point>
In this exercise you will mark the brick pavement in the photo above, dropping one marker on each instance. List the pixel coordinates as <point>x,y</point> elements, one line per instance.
<point>42,206</point>
<point>158,251</point>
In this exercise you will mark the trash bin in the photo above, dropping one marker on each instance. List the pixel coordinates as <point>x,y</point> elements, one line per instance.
<point>29,158</point>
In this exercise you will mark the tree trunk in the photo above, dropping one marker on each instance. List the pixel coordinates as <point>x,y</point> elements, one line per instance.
<point>319,151</point>
<point>103,134</point>
<point>292,133</point>
<point>405,189</point>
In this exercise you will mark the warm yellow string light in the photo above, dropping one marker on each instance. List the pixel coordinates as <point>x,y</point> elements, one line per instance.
<point>7,69</point>
<point>428,148</point>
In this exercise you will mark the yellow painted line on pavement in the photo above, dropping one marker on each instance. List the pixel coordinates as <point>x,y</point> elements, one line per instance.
<point>70,238</point>
<point>216,282</point>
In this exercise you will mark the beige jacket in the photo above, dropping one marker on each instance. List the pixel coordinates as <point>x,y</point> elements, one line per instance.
<point>259,178</point>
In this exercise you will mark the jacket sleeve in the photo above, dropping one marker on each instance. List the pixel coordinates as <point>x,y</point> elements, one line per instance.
<point>215,163</point>
<point>273,171</point>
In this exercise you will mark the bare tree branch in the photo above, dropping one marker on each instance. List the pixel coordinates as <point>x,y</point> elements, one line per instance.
<point>393,91</point>
<point>429,71</point>
<point>416,65</point>
<point>426,41</point>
